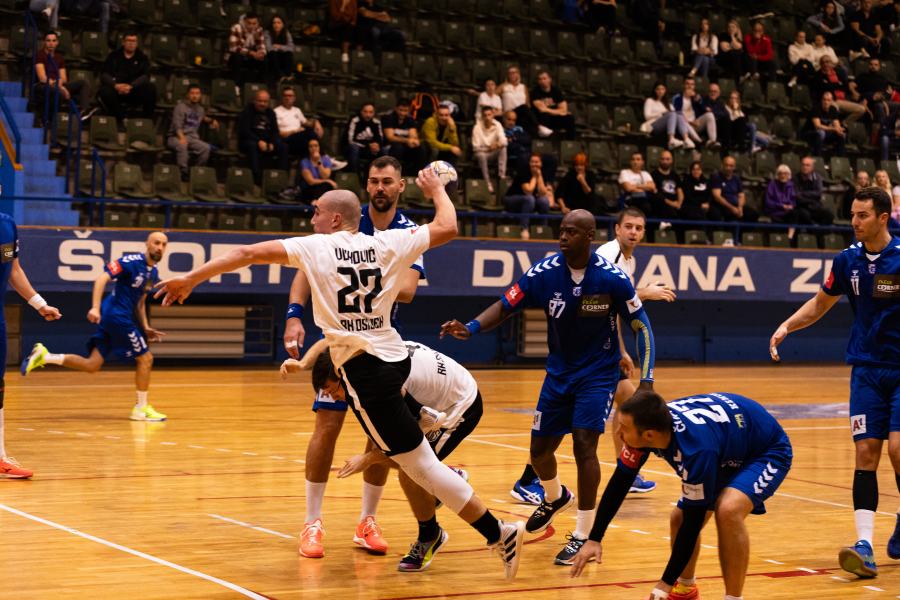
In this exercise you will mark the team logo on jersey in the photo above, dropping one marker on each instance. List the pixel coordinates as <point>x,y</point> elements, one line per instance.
<point>114,267</point>
<point>857,424</point>
<point>630,457</point>
<point>692,492</point>
<point>8,252</point>
<point>854,281</point>
<point>739,419</point>
<point>513,295</point>
<point>871,269</point>
<point>886,286</point>
<point>634,304</point>
<point>594,305</point>
<point>576,291</point>
<point>830,280</point>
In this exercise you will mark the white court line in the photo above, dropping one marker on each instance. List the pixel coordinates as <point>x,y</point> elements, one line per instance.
<point>178,385</point>
<point>873,588</point>
<point>223,450</point>
<point>168,443</point>
<point>639,531</point>
<point>140,440</point>
<point>844,580</point>
<point>499,435</point>
<point>831,503</point>
<point>774,562</point>
<point>710,547</point>
<point>814,428</point>
<point>84,434</point>
<point>195,446</point>
<point>112,437</point>
<point>807,570</point>
<point>25,429</point>
<point>166,563</point>
<point>251,453</point>
<point>611,525</point>
<point>253,527</point>
<point>278,457</point>
<point>505,502</point>
<point>48,431</point>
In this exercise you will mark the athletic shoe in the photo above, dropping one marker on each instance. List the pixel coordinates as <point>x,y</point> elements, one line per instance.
<point>858,559</point>
<point>368,535</point>
<point>544,131</point>
<point>430,419</point>
<point>146,414</point>
<point>509,546</point>
<point>684,592</point>
<point>544,514</point>
<point>689,143</point>
<point>10,467</point>
<point>531,494</point>
<point>641,485</point>
<point>567,555</point>
<point>337,165</point>
<point>421,554</point>
<point>461,473</point>
<point>311,540</point>
<point>35,360</point>
<point>894,543</point>
<point>87,115</point>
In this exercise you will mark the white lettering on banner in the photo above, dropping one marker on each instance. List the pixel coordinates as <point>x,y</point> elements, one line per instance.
<point>657,270</point>
<point>219,249</point>
<point>737,275</point>
<point>801,284</point>
<point>94,260</point>
<point>479,279</point>
<point>198,257</point>
<point>83,234</point>
<point>690,266</point>
<point>274,273</point>
<point>119,249</point>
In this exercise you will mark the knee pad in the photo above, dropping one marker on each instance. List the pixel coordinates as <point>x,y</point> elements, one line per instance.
<point>432,475</point>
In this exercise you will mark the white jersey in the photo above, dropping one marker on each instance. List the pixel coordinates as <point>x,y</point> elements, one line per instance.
<point>355,279</point>
<point>612,252</point>
<point>439,382</point>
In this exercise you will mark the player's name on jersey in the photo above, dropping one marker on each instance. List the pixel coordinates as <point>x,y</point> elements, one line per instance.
<point>356,256</point>
<point>362,324</point>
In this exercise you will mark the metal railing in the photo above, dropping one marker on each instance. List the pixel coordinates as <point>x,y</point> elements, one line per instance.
<point>95,160</point>
<point>73,108</point>
<point>15,128</point>
<point>48,116</point>
<point>29,20</point>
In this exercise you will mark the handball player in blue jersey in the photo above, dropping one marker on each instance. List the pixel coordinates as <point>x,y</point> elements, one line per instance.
<point>868,273</point>
<point>583,295</point>
<point>731,456</point>
<point>11,273</point>
<point>122,326</point>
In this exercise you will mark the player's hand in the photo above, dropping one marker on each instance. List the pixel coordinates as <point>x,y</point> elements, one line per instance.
<point>591,549</point>
<point>456,329</point>
<point>293,337</point>
<point>93,315</point>
<point>429,183</point>
<point>290,366</point>
<point>357,464</point>
<point>777,338</point>
<point>627,365</point>
<point>659,291</point>
<point>49,313</point>
<point>154,335</point>
<point>176,289</point>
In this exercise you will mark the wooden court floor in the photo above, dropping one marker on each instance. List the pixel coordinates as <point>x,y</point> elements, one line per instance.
<point>210,503</point>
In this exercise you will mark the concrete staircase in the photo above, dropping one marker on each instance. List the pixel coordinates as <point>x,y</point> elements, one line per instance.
<point>40,180</point>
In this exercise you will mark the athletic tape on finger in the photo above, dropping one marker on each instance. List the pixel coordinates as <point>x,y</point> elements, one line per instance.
<point>291,345</point>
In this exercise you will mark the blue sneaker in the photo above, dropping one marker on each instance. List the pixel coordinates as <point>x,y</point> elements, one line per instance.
<point>858,560</point>
<point>530,494</point>
<point>894,542</point>
<point>642,486</point>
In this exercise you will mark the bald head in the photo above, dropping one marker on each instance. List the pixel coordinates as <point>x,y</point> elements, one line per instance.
<point>576,232</point>
<point>337,210</point>
<point>156,246</point>
<point>581,219</point>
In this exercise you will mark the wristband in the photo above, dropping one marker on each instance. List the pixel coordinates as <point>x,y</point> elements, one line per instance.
<point>474,327</point>
<point>36,302</point>
<point>295,311</point>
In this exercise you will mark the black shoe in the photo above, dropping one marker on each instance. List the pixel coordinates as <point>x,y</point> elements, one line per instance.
<point>544,514</point>
<point>567,554</point>
<point>185,176</point>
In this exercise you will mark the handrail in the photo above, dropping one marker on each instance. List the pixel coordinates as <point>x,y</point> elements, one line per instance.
<point>73,107</point>
<point>14,155</point>
<point>34,30</point>
<point>52,141</point>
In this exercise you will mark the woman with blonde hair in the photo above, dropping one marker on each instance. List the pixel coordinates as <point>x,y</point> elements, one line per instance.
<point>859,182</point>
<point>514,97</point>
<point>731,50</point>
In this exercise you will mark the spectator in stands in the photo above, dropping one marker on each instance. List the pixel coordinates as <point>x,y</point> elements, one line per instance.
<point>259,133</point>
<point>645,13</point>
<point>247,48</point>
<point>518,148</point>
<point>600,13</point>
<point>637,185</point>
<point>874,91</point>
<point>742,131</point>
<point>668,200</point>
<point>829,23</point>
<point>866,33</point>
<point>514,95</point>
<point>364,137</point>
<point>551,107</point>
<point>758,55</point>
<point>660,117</point>
<point>697,116</point>
<point>820,49</point>
<point>342,24</point>
<point>489,144</point>
<point>883,181</point>
<point>293,127</point>
<point>49,8</point>
<point>46,75</point>
<point>800,55</point>
<point>808,188</point>
<point>719,110</point>
<point>889,14</point>
<point>528,193</point>
<point>490,98</point>
<point>781,201</point>
<point>279,49</point>
<point>824,125</point>
<point>576,190</point>
<point>125,79</point>
<point>100,9</point>
<point>728,190</point>
<point>315,174</point>
<point>439,134</point>
<point>731,51</point>
<point>374,28</point>
<point>698,201</point>
<point>889,135</point>
<point>184,132</point>
<point>403,138</point>
<point>859,182</point>
<point>705,46</point>
<point>828,80</point>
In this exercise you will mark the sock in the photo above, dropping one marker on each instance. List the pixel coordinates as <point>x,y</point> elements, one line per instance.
<point>141,400</point>
<point>2,448</point>
<point>371,496</point>
<point>865,525</point>
<point>896,475</point>
<point>528,475</point>
<point>429,530</point>
<point>865,503</point>
<point>552,489</point>
<point>687,582</point>
<point>734,597</point>
<point>54,359</point>
<point>584,523</point>
<point>489,527</point>
<point>315,493</point>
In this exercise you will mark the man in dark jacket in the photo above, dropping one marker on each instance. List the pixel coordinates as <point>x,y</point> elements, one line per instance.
<point>259,133</point>
<point>126,79</point>
<point>808,187</point>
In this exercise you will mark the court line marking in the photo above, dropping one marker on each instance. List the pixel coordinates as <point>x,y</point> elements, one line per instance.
<point>168,443</point>
<point>873,588</point>
<point>639,531</point>
<point>25,429</point>
<point>166,563</point>
<point>840,578</point>
<point>807,570</point>
<point>813,428</point>
<point>774,562</point>
<point>252,526</point>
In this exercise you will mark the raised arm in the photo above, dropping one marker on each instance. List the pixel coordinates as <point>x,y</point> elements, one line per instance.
<point>495,314</point>
<point>443,228</point>
<point>814,309</point>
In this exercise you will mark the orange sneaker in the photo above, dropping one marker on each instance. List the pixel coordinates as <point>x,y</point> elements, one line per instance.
<point>10,467</point>
<point>311,540</point>
<point>368,535</point>
<point>681,592</point>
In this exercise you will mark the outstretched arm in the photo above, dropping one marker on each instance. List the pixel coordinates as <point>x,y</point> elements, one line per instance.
<point>443,228</point>
<point>809,313</point>
<point>646,349</point>
<point>20,283</point>
<point>493,316</point>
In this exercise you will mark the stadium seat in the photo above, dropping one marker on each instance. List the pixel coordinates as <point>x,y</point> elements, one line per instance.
<point>508,232</point>
<point>325,102</point>
<point>621,85</point>
<point>541,232</point>
<point>785,132</point>
<point>567,45</point>
<point>670,52</point>
<point>777,97</point>
<point>595,48</point>
<point>393,68</point>
<point>800,96</point>
<point>224,97</point>
<point>646,83</point>
<point>743,167</point>
<point>766,164</point>
<point>857,138</point>
<point>645,53</point>
<point>362,63</point>
<point>273,224</point>
<point>602,235</point>
<point>452,73</point>
<point>752,239</point>
<point>710,160</point>
<point>600,157</point>
<point>218,138</point>
<point>477,193</point>
<point>302,225</point>
<point>665,237</point>
<point>199,53</point>
<point>150,220</point>
<point>567,151</point>
<point>597,81</point>
<point>625,120</point>
<point>94,46</point>
<point>330,62</point>
<point>230,223</point>
<point>128,182</point>
<point>267,13</point>
<point>720,237</point>
<point>620,49</point>
<point>105,133</point>
<point>625,152</point>
<point>726,86</point>
<point>167,183</point>
<point>355,99</point>
<point>542,147</point>
<point>834,241</point>
<point>807,241</point>
<point>115,219</point>
<point>303,59</point>
<point>840,170</point>
<point>192,222</point>
<point>348,181</point>
<point>792,161</point>
<point>694,236</point>
<point>423,68</point>
<point>209,16</point>
<point>867,165</point>
<point>568,79</point>
<point>384,102</point>
<point>674,83</point>
<point>239,186</point>
<point>163,102</point>
<point>414,196</point>
<point>164,51</point>
<point>140,136</point>
<point>483,230</point>
<point>653,153</point>
<point>609,194</point>
<point>177,14</point>
<point>204,185</point>
<point>456,35</point>
<point>512,41</point>
<point>62,131</point>
<point>144,12</point>
<point>893,173</point>
<point>682,160</point>
<point>779,240</point>
<point>426,33</point>
<point>273,181</point>
<point>598,119</point>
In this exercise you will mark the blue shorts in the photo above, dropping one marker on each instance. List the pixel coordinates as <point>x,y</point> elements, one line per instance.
<point>575,402</point>
<point>328,403</point>
<point>126,341</point>
<point>874,402</point>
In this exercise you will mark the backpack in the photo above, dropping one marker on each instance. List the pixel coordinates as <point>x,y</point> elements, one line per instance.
<point>423,106</point>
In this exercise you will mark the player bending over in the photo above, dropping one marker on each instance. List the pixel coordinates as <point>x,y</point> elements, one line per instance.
<point>583,295</point>
<point>867,273</point>
<point>731,456</point>
<point>355,279</point>
<point>117,330</point>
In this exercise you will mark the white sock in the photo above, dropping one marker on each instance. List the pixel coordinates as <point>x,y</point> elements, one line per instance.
<point>141,400</point>
<point>727,597</point>
<point>2,448</point>
<point>54,359</point>
<point>865,525</point>
<point>315,493</point>
<point>552,489</point>
<point>584,523</point>
<point>687,582</point>
<point>371,498</point>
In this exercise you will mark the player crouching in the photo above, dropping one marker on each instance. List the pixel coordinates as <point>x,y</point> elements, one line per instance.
<point>731,455</point>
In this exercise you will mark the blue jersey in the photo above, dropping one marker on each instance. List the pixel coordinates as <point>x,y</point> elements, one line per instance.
<point>713,435</point>
<point>871,283</point>
<point>134,278</point>
<point>581,317</point>
<point>9,251</point>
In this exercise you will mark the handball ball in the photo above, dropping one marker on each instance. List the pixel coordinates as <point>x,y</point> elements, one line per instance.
<point>447,174</point>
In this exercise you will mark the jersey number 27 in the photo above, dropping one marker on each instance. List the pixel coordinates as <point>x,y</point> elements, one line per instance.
<point>364,276</point>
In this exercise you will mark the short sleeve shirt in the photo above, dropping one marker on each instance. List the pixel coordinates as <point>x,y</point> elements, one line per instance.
<point>289,119</point>
<point>314,169</point>
<point>730,187</point>
<point>825,117</point>
<point>551,98</point>
<point>134,277</point>
<point>612,252</point>
<point>629,176</point>
<point>9,251</point>
<point>58,58</point>
<point>667,185</point>
<point>401,128</point>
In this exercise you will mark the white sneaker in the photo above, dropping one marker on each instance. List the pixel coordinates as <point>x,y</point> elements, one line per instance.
<point>664,225</point>
<point>544,131</point>
<point>345,58</point>
<point>512,535</point>
<point>430,419</point>
<point>744,78</point>
<point>675,143</point>
<point>490,187</point>
<point>237,91</point>
<point>689,143</point>
<point>337,165</point>
<point>792,82</point>
<point>48,11</point>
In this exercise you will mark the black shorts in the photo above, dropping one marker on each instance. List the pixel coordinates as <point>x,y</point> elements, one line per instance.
<point>622,375</point>
<point>445,441</point>
<point>373,393</point>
